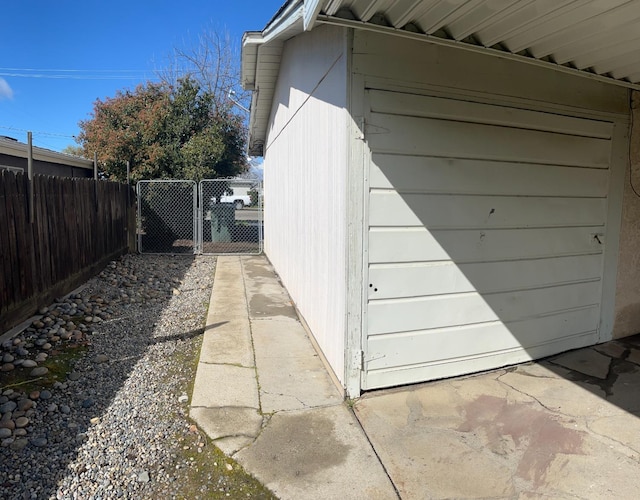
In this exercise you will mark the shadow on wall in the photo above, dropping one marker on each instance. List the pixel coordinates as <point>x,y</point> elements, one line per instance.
<point>476,258</point>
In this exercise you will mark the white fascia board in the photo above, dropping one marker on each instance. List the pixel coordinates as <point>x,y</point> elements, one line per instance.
<point>259,51</point>
<point>19,150</point>
<point>251,41</point>
<point>312,9</point>
<point>289,23</point>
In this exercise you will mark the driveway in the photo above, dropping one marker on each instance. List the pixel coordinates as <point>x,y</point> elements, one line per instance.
<point>563,428</point>
<point>566,427</point>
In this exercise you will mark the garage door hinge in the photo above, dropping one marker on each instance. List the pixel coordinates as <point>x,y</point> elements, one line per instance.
<point>361,128</point>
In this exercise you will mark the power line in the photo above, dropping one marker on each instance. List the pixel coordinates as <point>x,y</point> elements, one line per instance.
<point>81,74</point>
<point>77,70</point>
<point>49,134</point>
<point>74,77</point>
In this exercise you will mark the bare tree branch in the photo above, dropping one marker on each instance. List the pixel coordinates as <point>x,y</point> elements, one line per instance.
<point>213,60</point>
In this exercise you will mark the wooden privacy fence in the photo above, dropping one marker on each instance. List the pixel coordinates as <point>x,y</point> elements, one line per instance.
<point>75,227</point>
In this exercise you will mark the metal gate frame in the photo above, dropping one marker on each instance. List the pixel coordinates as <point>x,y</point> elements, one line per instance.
<point>194,214</point>
<point>201,209</point>
<point>204,215</point>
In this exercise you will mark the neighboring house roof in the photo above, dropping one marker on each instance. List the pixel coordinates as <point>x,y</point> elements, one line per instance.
<point>591,38</point>
<point>11,147</point>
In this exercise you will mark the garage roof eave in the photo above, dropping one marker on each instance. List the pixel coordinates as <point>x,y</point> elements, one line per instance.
<point>588,37</point>
<point>261,52</point>
<point>251,42</point>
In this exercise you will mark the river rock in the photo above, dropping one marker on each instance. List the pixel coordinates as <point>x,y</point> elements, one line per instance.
<point>39,371</point>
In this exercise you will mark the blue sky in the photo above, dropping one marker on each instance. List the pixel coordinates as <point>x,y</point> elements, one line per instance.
<point>121,42</point>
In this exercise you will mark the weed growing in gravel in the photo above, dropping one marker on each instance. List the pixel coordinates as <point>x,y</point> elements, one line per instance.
<point>204,472</point>
<point>59,363</point>
<point>213,475</point>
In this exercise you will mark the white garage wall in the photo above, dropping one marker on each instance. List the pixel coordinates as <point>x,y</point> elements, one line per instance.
<point>305,184</point>
<point>570,184</point>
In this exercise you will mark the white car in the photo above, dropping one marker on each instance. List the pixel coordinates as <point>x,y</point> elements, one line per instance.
<point>240,201</point>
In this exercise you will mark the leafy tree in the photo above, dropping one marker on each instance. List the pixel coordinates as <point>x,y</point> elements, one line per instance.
<point>164,131</point>
<point>70,149</point>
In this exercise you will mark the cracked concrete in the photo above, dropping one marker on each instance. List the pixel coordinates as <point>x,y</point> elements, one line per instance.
<point>566,427</point>
<point>263,396</point>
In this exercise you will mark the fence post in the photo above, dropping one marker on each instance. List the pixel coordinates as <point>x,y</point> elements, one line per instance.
<point>128,183</point>
<point>30,177</point>
<point>95,178</point>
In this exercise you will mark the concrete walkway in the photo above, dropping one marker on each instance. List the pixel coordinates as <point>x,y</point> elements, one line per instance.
<point>263,395</point>
<point>564,428</point>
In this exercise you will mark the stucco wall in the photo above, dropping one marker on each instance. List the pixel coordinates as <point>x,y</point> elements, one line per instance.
<point>627,316</point>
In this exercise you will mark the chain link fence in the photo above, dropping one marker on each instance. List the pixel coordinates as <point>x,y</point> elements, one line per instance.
<point>167,217</point>
<point>221,216</point>
<point>231,216</point>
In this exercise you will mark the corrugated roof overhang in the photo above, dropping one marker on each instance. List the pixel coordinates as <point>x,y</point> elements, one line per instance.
<point>594,38</point>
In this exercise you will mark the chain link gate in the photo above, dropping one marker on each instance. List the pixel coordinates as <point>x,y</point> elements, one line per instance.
<point>221,216</point>
<point>231,220</point>
<point>167,217</point>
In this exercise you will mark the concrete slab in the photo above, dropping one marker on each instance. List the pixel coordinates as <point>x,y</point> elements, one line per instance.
<point>266,297</point>
<point>291,373</point>
<point>634,356</point>
<point>229,422</point>
<point>526,432</point>
<point>231,445</point>
<point>557,394</point>
<point>563,428</point>
<point>228,342</point>
<point>228,298</point>
<point>587,361</point>
<point>318,453</point>
<point>613,349</point>
<point>225,385</point>
<point>625,391</point>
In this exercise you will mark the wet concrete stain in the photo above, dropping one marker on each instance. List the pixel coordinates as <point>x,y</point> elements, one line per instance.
<point>617,367</point>
<point>521,428</point>
<point>280,452</point>
<point>263,305</point>
<point>257,269</point>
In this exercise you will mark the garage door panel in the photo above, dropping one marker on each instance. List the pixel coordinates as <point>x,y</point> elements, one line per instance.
<point>388,245</point>
<point>486,230</point>
<point>436,278</point>
<point>454,109</point>
<point>425,136</point>
<point>390,208</point>
<point>427,174</point>
<point>408,314</point>
<point>408,374</point>
<point>442,345</point>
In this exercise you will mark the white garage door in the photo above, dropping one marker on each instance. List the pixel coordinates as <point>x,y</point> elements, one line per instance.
<point>486,235</point>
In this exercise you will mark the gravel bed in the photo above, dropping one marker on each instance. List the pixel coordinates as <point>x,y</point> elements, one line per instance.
<point>115,424</point>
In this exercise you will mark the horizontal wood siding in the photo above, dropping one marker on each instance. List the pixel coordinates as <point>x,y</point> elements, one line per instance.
<point>78,225</point>
<point>305,184</point>
<point>486,235</point>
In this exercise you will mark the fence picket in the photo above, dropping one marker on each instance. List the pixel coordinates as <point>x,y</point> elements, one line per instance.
<point>69,240</point>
